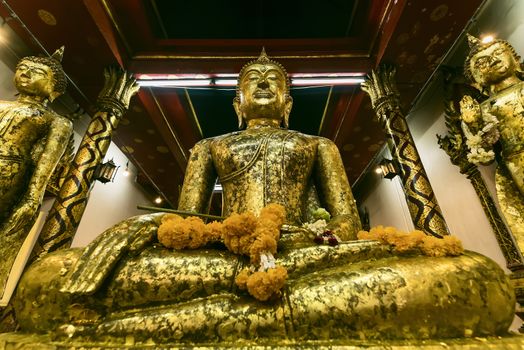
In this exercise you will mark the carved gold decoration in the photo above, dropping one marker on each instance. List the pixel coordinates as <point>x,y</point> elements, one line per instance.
<point>495,68</point>
<point>423,207</point>
<point>454,144</point>
<point>65,215</point>
<point>32,140</point>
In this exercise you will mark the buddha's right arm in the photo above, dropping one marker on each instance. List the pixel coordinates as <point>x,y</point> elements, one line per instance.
<point>199,179</point>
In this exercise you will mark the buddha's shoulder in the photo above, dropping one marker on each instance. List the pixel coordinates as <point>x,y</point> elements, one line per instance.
<point>319,140</point>
<point>210,141</point>
<point>8,104</point>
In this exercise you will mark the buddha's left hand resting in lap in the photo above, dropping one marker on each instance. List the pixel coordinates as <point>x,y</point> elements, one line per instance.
<point>126,284</point>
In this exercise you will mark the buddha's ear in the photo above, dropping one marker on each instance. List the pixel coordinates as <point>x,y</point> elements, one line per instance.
<point>287,110</point>
<point>238,111</point>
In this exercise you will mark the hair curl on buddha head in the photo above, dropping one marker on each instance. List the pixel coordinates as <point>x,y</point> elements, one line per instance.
<point>54,63</point>
<point>476,45</point>
<point>262,59</point>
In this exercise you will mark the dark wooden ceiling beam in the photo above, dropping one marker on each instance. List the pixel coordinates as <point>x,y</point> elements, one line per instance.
<point>101,17</point>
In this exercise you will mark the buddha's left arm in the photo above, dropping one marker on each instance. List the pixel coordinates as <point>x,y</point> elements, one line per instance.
<point>335,192</point>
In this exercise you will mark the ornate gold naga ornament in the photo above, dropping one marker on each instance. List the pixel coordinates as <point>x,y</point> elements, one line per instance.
<point>423,207</point>
<point>69,206</point>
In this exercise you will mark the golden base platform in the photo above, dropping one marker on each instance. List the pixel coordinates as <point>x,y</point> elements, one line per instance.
<point>45,342</point>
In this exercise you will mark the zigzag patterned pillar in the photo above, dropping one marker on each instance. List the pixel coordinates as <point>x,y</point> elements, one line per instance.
<point>423,207</point>
<point>69,206</point>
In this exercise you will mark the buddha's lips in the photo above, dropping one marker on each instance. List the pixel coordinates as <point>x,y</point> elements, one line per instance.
<point>263,94</point>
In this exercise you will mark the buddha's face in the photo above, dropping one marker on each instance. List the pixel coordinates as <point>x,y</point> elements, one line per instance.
<point>493,64</point>
<point>263,93</point>
<point>34,79</point>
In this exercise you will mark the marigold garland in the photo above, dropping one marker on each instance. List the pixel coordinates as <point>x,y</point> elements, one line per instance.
<point>415,240</point>
<point>243,234</point>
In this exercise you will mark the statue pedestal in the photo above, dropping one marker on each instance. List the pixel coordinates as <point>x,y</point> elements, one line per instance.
<point>45,342</point>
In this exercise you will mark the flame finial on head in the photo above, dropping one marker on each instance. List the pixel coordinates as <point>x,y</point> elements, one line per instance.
<point>58,54</point>
<point>264,60</point>
<point>473,41</point>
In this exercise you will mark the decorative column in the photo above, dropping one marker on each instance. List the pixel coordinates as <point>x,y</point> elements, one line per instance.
<point>69,206</point>
<point>423,207</point>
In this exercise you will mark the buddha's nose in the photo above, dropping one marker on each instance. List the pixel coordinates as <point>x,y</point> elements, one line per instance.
<point>263,84</point>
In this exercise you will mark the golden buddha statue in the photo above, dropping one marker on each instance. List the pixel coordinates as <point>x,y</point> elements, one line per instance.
<point>495,68</point>
<point>126,289</point>
<point>267,163</point>
<point>32,140</point>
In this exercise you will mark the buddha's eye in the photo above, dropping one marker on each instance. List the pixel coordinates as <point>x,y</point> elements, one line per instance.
<point>482,61</point>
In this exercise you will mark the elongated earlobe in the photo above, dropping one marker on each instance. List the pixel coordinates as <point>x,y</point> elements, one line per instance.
<point>287,111</point>
<point>236,106</point>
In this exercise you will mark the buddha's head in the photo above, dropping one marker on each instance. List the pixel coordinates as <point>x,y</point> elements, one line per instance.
<point>490,63</point>
<point>41,76</point>
<point>263,92</point>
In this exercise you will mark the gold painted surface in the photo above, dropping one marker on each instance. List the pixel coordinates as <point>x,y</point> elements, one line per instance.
<point>267,163</point>
<point>422,203</point>
<point>68,208</point>
<point>357,290</point>
<point>495,69</point>
<point>45,342</point>
<point>32,141</point>
<point>454,144</point>
<point>125,289</point>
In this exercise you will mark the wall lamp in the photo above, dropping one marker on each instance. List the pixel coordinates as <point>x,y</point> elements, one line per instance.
<point>106,172</point>
<point>387,168</point>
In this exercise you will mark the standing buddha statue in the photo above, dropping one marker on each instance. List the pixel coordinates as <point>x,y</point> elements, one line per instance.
<point>32,140</point>
<point>494,128</point>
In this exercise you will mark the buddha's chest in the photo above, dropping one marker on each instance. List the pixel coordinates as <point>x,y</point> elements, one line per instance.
<point>275,151</point>
<point>508,108</point>
<point>23,126</point>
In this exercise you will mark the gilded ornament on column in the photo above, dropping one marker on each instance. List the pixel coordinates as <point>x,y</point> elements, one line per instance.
<point>423,207</point>
<point>69,206</point>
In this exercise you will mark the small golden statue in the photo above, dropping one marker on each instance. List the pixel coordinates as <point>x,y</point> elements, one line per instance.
<point>32,140</point>
<point>498,120</point>
<point>127,289</point>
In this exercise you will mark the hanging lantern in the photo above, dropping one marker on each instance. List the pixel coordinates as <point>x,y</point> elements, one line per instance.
<point>106,172</point>
<point>388,168</point>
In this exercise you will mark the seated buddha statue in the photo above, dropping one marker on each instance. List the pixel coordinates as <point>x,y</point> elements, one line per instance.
<point>126,288</point>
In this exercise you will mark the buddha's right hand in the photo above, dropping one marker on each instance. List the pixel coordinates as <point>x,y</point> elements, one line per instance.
<point>21,218</point>
<point>470,111</point>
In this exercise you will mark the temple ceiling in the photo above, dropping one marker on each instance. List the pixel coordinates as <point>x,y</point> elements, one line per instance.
<point>176,38</point>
